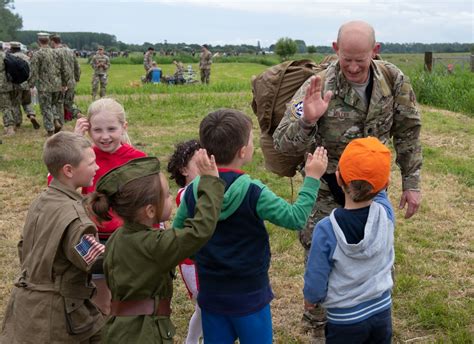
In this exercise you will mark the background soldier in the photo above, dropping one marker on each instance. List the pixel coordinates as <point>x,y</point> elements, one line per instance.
<point>148,59</point>
<point>22,93</point>
<point>205,64</point>
<point>359,97</point>
<point>6,92</point>
<point>47,74</point>
<point>179,73</point>
<point>73,75</point>
<point>100,63</point>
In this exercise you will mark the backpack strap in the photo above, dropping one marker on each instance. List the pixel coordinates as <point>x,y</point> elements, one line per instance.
<point>282,75</point>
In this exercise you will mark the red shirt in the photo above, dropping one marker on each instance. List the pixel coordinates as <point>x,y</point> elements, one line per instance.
<point>106,162</point>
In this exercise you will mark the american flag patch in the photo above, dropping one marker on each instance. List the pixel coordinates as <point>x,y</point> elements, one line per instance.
<point>298,107</point>
<point>89,248</point>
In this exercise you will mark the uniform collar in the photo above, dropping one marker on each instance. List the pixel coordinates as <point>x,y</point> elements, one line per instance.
<point>57,185</point>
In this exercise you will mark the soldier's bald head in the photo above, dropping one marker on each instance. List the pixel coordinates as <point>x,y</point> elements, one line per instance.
<point>358,28</point>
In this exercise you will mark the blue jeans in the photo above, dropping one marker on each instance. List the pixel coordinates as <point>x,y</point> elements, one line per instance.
<point>376,329</point>
<point>255,328</point>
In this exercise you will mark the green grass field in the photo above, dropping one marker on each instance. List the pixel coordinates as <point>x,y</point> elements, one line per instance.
<point>434,289</point>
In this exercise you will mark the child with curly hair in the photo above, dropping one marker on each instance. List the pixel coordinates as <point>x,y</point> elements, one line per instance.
<point>182,168</point>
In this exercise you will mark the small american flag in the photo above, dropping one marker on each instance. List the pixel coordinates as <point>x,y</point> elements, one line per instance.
<point>89,248</point>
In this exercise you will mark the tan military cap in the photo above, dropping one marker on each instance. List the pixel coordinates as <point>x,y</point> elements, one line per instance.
<point>42,35</point>
<point>15,45</point>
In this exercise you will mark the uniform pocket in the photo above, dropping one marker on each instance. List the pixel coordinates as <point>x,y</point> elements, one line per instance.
<point>166,329</point>
<point>78,316</point>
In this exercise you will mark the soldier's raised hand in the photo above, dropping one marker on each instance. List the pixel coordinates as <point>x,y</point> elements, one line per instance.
<point>205,164</point>
<point>314,106</point>
<point>82,126</point>
<point>316,163</point>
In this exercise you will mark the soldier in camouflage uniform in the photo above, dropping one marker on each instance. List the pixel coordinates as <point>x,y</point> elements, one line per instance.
<point>356,96</point>
<point>148,59</point>
<point>73,75</point>
<point>48,75</point>
<point>179,73</point>
<point>22,93</point>
<point>100,63</point>
<point>205,64</point>
<point>6,92</point>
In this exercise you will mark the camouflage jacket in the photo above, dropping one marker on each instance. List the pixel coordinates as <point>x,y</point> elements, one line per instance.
<point>206,60</point>
<point>147,60</point>
<point>179,72</point>
<point>47,71</point>
<point>23,85</point>
<point>391,113</point>
<point>5,85</point>
<point>100,63</point>
<point>71,66</point>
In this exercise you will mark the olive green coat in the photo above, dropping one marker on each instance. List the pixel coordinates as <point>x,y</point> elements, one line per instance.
<point>139,264</point>
<point>50,302</point>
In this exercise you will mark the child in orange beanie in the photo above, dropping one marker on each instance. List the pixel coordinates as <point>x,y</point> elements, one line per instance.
<point>352,252</point>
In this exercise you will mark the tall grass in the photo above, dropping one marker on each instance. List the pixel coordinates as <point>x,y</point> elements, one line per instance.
<point>454,92</point>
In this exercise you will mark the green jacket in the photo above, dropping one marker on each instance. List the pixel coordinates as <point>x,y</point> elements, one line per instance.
<point>139,264</point>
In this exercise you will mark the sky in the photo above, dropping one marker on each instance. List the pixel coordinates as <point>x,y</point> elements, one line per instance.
<point>219,22</point>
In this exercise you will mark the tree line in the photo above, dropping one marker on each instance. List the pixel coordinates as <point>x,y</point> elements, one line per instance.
<point>90,41</point>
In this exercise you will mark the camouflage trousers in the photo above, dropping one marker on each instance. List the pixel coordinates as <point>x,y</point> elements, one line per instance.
<point>6,108</point>
<point>315,321</point>
<point>205,75</point>
<point>69,105</point>
<point>51,105</point>
<point>21,99</point>
<point>96,79</point>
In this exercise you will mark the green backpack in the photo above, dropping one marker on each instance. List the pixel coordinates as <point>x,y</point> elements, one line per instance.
<point>272,90</point>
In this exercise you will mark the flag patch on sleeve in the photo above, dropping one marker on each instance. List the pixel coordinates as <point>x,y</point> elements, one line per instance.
<point>89,248</point>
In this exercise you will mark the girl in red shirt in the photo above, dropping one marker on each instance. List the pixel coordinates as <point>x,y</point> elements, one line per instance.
<point>107,127</point>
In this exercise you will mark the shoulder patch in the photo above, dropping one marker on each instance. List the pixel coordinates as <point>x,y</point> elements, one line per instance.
<point>297,109</point>
<point>89,249</point>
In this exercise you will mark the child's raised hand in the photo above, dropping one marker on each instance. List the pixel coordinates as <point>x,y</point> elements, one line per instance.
<point>82,126</point>
<point>206,165</point>
<point>316,163</point>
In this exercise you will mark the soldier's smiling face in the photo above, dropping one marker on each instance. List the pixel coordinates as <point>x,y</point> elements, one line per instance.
<point>355,49</point>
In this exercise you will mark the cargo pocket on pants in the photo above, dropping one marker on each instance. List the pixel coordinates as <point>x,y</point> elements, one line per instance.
<point>78,319</point>
<point>166,329</point>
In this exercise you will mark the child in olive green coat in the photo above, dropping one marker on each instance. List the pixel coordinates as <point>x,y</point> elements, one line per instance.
<point>139,260</point>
